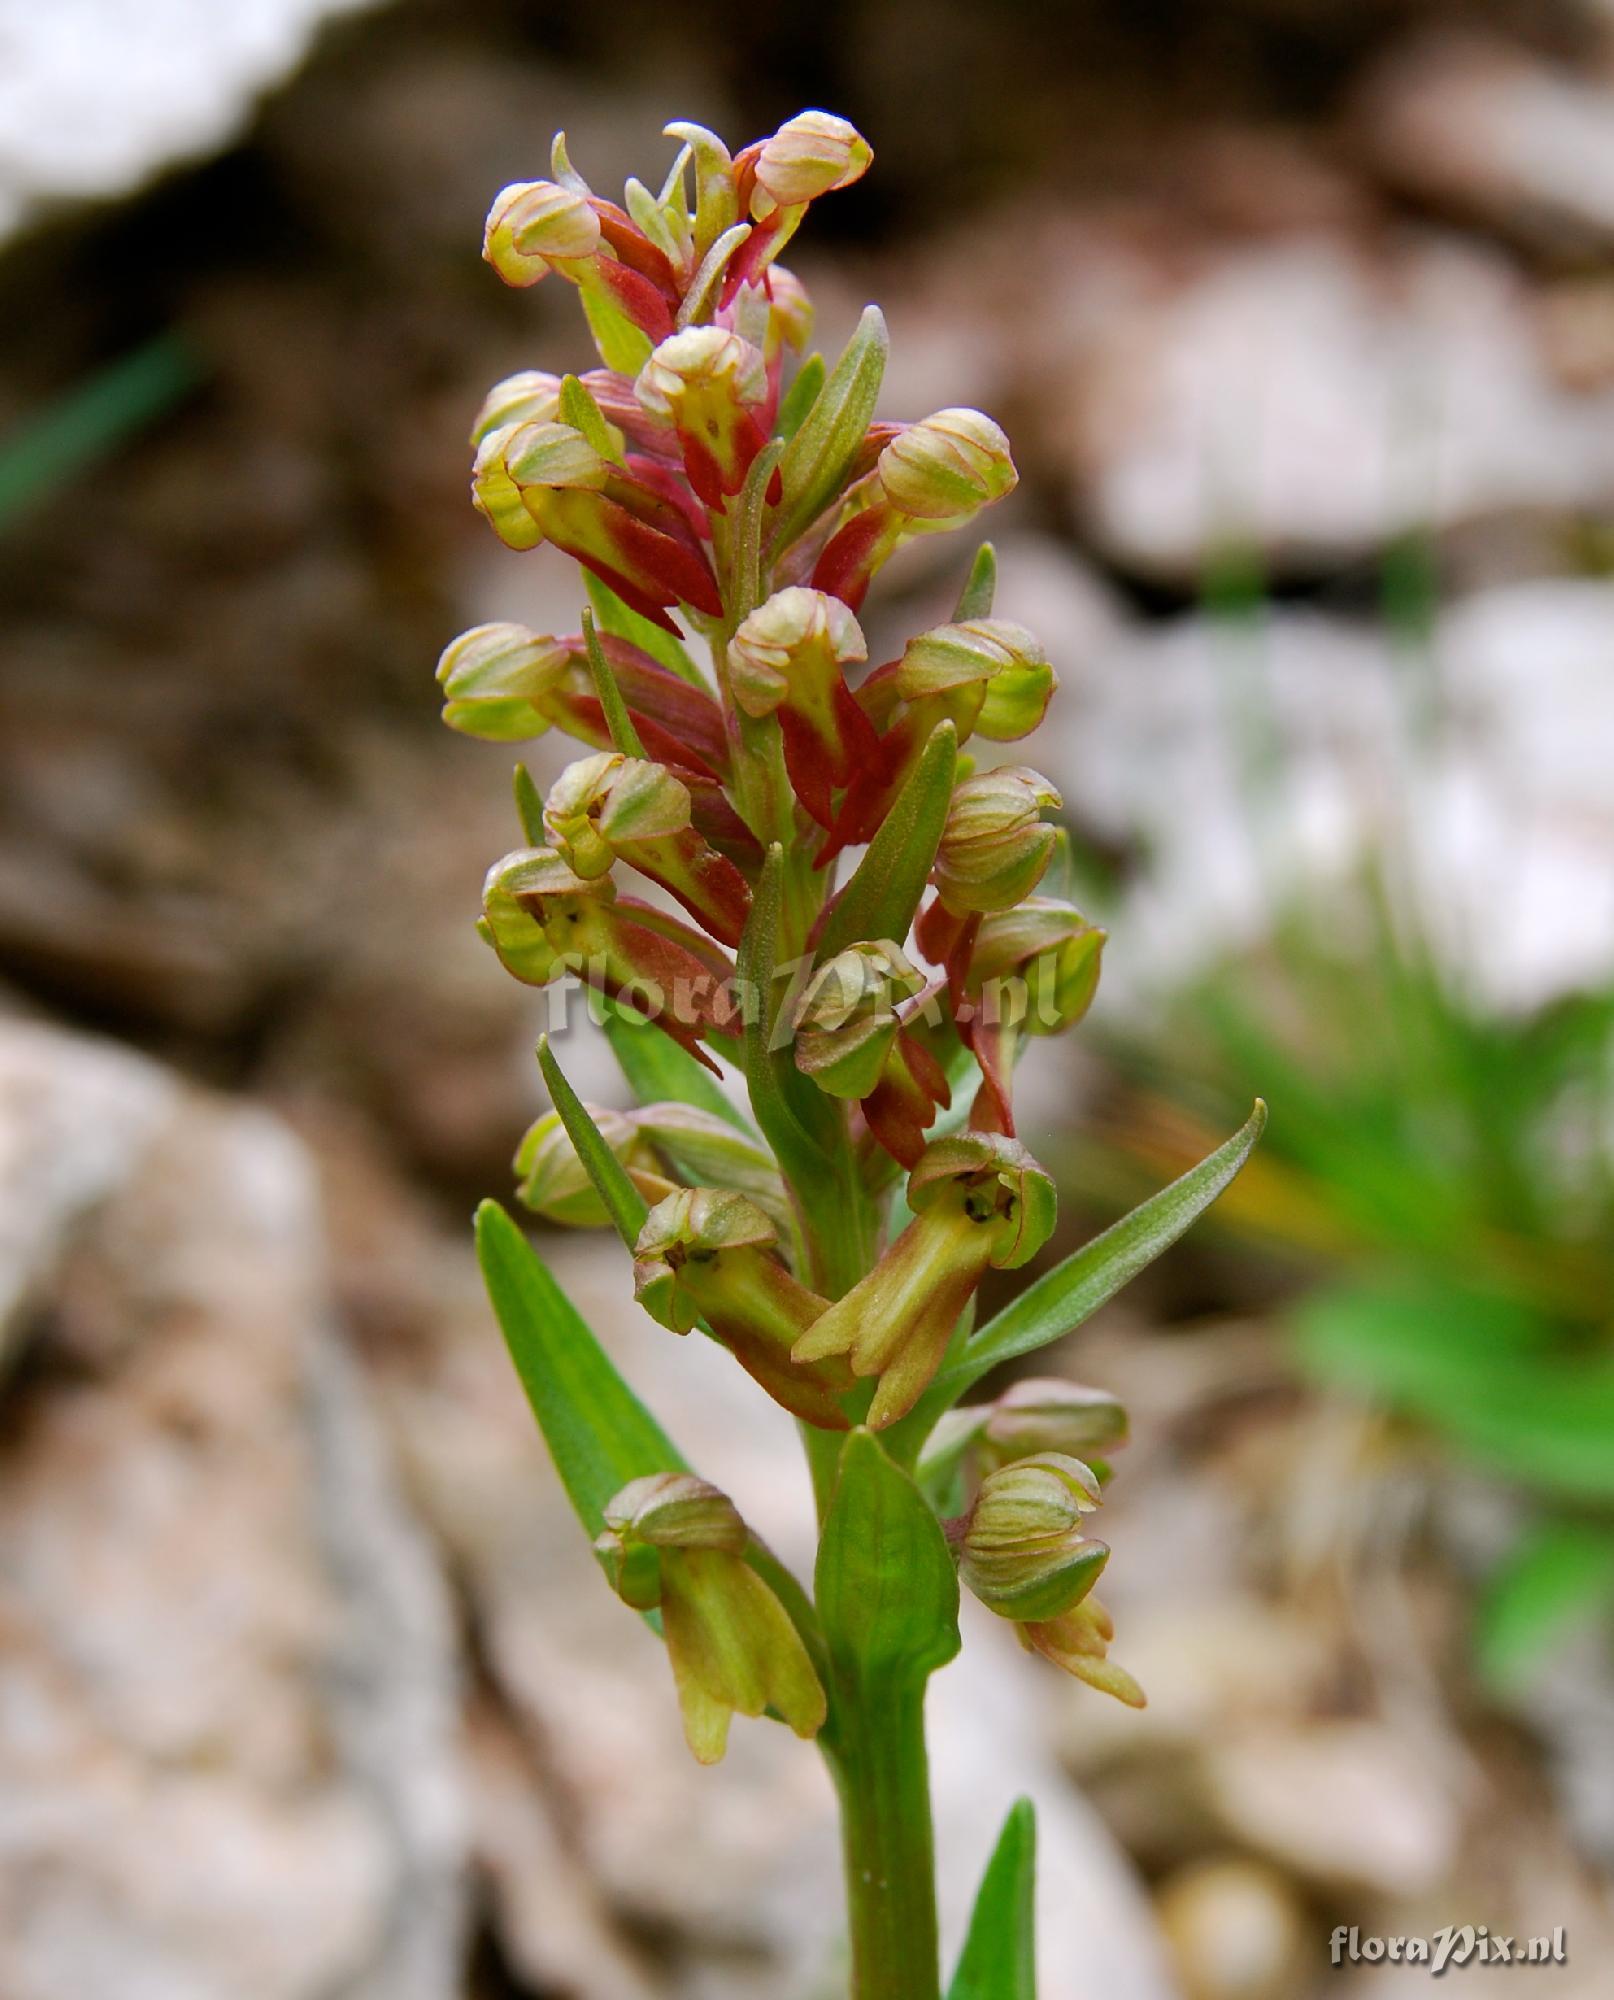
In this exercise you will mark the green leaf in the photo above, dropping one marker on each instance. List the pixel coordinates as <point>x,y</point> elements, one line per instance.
<point>1475,1368</point>
<point>579,409</point>
<point>711,268</point>
<point>799,398</point>
<point>623,347</point>
<point>1063,1297</point>
<point>612,615</point>
<point>618,722</point>
<point>880,898</point>
<point>598,1432</point>
<point>530,809</point>
<point>773,1097</point>
<point>659,1071</point>
<point>886,1586</point>
<point>980,586</point>
<point>1561,1574</point>
<point>820,454</point>
<point>746,556</point>
<point>623,1201</point>
<point>999,1959</point>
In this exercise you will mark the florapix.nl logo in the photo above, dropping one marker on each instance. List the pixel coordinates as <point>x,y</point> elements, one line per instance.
<point>1453,1945</point>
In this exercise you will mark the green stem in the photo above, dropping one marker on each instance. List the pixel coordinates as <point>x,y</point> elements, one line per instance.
<point>881,1773</point>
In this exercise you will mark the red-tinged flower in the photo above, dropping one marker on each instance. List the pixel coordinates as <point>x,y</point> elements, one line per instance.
<point>712,388</point>
<point>507,684</point>
<point>546,482</point>
<point>610,807</point>
<point>777,179</point>
<point>544,920</point>
<point>535,227</point>
<point>788,658</point>
<point>850,1038</point>
<point>980,1203</point>
<point>707,1254</point>
<point>931,476</point>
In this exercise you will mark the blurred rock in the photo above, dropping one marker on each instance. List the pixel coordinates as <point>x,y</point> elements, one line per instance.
<point>168,80</point>
<point>1237,1931</point>
<point>1310,402</point>
<point>226,1703</point>
<point>1484,128</point>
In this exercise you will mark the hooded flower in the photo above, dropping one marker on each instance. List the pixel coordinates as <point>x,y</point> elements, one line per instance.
<point>980,1203</point>
<point>672,1542</point>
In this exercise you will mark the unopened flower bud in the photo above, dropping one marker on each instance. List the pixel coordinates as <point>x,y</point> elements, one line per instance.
<point>1025,1552</point>
<point>494,676</point>
<point>1078,1642</point>
<point>605,802</point>
<point>554,1183</point>
<point>994,846</point>
<point>947,467</point>
<point>708,384</point>
<point>992,677</point>
<point>980,1202</point>
<point>535,224</point>
<point>811,154</point>
<point>532,397</point>
<point>1036,966</point>
<point>1052,1415</point>
<point>791,308</point>
<point>552,455</point>
<point>675,1543</point>
<point>789,657</point>
<point>706,1253</point>
<point>847,1020</point>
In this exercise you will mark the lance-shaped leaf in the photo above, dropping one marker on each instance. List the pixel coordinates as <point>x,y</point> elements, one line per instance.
<point>618,723</point>
<point>884,891</point>
<point>999,1959</point>
<point>814,467</point>
<point>800,397</point>
<point>659,1071</point>
<point>769,1074</point>
<point>578,408</point>
<point>599,1434</point>
<point>975,599</point>
<point>886,1586</point>
<point>613,616</point>
<point>1065,1296</point>
<point>623,1202</point>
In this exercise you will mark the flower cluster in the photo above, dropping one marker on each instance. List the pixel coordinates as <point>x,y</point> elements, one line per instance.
<point>717,482</point>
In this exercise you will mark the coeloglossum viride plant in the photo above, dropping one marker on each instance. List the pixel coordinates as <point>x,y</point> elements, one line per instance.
<point>716,487</point>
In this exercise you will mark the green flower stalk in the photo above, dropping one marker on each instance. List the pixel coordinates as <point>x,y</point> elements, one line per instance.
<point>723,492</point>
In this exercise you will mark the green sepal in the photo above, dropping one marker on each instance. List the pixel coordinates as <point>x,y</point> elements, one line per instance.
<point>618,722</point>
<point>881,896</point>
<point>818,457</point>
<point>886,1586</point>
<point>623,1202</point>
<point>999,1959</point>
<point>799,398</point>
<point>980,586</point>
<point>612,615</point>
<point>530,808</point>
<point>579,409</point>
<point>1065,1296</point>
